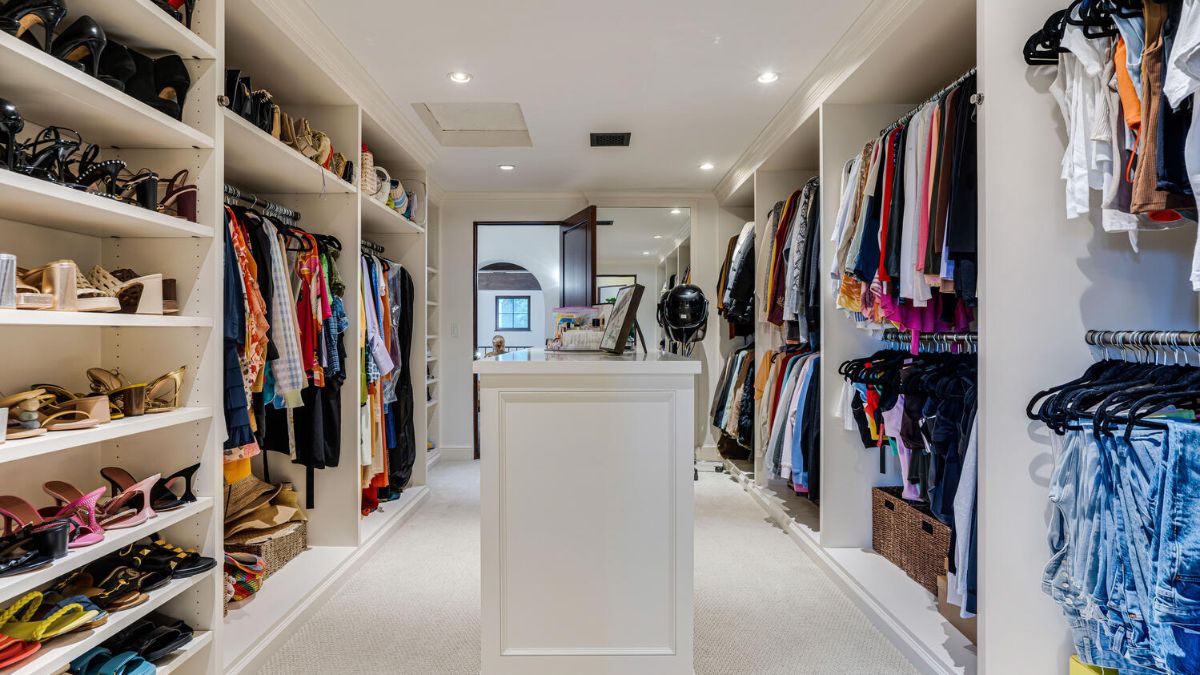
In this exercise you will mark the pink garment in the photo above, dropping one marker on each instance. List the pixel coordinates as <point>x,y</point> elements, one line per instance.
<point>926,319</point>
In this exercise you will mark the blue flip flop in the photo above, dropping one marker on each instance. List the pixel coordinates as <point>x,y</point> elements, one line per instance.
<point>127,663</point>
<point>91,661</point>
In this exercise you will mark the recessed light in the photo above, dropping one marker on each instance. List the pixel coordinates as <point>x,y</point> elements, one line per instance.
<point>769,77</point>
<point>460,77</point>
<point>658,236</point>
<point>707,166</point>
<point>645,252</point>
<point>507,167</point>
<point>676,212</point>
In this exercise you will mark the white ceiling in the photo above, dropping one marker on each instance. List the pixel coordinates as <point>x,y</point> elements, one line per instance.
<point>678,74</point>
<point>633,230</point>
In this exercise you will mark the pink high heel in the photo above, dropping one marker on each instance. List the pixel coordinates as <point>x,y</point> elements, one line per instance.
<point>80,513</point>
<point>117,513</point>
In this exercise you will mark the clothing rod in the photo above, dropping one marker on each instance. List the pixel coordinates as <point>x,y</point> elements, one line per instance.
<point>372,246</point>
<point>256,202</point>
<point>1124,339</point>
<point>945,90</point>
<point>893,335</point>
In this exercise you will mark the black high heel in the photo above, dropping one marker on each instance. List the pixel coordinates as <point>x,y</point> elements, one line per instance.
<point>139,188</point>
<point>11,124</point>
<point>171,11</point>
<point>116,65</point>
<point>19,16</point>
<point>48,155</point>
<point>161,84</point>
<point>189,6</point>
<point>81,45</point>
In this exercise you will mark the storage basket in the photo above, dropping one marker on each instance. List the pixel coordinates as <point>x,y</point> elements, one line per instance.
<point>909,537</point>
<point>277,551</point>
<point>369,181</point>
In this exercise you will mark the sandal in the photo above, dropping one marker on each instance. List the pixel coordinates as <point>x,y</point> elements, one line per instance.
<point>163,496</point>
<point>143,295</point>
<point>91,661</point>
<point>179,563</point>
<point>57,398</point>
<point>57,601</point>
<point>180,198</point>
<point>165,392</point>
<point>79,512</point>
<point>23,414</point>
<point>117,513</point>
<point>17,651</point>
<point>170,297</point>
<point>31,297</point>
<point>153,637</point>
<point>114,594</point>
<point>127,663</point>
<point>69,289</point>
<point>128,399</point>
<point>21,620</point>
<point>34,548</point>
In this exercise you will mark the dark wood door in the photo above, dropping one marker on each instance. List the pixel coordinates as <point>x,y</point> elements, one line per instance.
<point>578,261</point>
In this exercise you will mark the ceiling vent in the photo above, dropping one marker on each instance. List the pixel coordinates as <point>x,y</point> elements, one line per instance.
<point>611,140</point>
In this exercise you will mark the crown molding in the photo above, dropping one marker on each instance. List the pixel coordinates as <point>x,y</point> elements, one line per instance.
<point>510,196</point>
<point>301,22</point>
<point>863,38</point>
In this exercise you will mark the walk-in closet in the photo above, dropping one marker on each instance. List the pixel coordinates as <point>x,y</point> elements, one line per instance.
<point>647,338</point>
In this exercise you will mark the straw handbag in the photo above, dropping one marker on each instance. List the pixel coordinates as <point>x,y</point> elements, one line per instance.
<point>367,168</point>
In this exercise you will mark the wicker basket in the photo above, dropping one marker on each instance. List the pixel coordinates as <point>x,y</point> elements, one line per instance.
<point>277,551</point>
<point>367,178</point>
<point>909,537</point>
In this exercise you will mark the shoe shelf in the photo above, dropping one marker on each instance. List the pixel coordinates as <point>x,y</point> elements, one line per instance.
<point>177,660</point>
<point>57,441</point>
<point>17,585</point>
<point>379,219</point>
<point>58,653</point>
<point>141,25</point>
<point>257,162</point>
<point>50,92</point>
<point>17,317</point>
<point>46,204</point>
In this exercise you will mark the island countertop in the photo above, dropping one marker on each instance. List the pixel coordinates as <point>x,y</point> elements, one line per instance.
<point>542,362</point>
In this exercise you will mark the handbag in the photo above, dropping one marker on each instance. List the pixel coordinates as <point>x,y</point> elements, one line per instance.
<point>369,181</point>
<point>383,183</point>
<point>324,152</point>
<point>244,573</point>
<point>264,113</point>
<point>398,198</point>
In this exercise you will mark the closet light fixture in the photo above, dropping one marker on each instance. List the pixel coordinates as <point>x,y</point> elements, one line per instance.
<point>460,77</point>
<point>658,236</point>
<point>768,77</point>
<point>645,252</point>
<point>508,167</point>
<point>676,212</point>
<point>707,166</point>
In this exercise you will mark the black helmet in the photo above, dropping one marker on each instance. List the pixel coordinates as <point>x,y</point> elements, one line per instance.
<point>683,314</point>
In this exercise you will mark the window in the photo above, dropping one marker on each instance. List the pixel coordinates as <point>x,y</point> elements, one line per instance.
<point>512,312</point>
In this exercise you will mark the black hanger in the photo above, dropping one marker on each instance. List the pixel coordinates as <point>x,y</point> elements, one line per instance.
<point>1043,47</point>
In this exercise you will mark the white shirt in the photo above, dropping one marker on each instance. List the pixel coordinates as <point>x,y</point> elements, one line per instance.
<point>1183,80</point>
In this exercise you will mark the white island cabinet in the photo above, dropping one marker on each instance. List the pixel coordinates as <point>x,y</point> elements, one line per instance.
<point>587,513</point>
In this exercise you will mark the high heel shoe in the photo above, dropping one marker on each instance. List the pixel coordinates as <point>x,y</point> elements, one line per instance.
<point>129,399</point>
<point>171,11</point>
<point>48,155</point>
<point>163,497</point>
<point>161,84</point>
<point>81,45</point>
<point>139,188</point>
<point>188,7</point>
<point>143,295</point>
<point>180,197</point>
<point>170,297</point>
<point>11,124</point>
<point>19,16</point>
<point>164,393</point>
<point>116,65</point>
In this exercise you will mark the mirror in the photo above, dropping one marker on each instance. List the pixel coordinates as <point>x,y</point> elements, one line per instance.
<point>647,246</point>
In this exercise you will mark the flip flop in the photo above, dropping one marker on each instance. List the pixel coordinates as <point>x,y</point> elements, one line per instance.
<point>16,651</point>
<point>91,661</point>
<point>127,663</point>
<point>29,628</point>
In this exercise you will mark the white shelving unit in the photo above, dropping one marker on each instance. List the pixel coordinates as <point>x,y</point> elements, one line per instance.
<point>41,222</point>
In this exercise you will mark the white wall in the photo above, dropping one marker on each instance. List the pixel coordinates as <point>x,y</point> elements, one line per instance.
<point>534,337</point>
<point>534,247</point>
<point>459,213</point>
<point>1044,281</point>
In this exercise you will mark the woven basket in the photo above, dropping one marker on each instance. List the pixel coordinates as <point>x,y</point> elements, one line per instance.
<point>369,182</point>
<point>277,551</point>
<point>909,536</point>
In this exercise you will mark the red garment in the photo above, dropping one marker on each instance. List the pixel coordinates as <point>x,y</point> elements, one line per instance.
<point>889,174</point>
<point>778,279</point>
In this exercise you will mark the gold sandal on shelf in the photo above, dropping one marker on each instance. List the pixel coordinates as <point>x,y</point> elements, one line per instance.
<point>129,399</point>
<point>164,393</point>
<point>23,414</point>
<point>69,290</point>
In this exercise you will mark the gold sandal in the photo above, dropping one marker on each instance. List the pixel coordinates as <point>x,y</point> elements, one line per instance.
<point>128,399</point>
<point>164,393</point>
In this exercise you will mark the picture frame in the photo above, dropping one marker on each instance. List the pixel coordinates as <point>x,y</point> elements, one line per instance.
<point>620,322</point>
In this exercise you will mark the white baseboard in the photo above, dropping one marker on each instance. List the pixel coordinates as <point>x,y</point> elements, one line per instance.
<point>457,453</point>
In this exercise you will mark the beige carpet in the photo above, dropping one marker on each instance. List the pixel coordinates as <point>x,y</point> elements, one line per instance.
<point>762,607</point>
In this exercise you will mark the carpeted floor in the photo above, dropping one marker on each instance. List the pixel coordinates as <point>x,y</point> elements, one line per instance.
<point>762,607</point>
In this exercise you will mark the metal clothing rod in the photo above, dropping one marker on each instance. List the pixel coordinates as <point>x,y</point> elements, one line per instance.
<point>372,247</point>
<point>945,90</point>
<point>893,335</point>
<point>267,207</point>
<point>1132,339</point>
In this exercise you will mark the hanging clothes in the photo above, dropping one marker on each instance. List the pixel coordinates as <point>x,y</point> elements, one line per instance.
<point>792,425</point>
<point>907,228</point>
<point>921,409</point>
<point>792,277</point>
<point>735,289</point>
<point>732,410</point>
